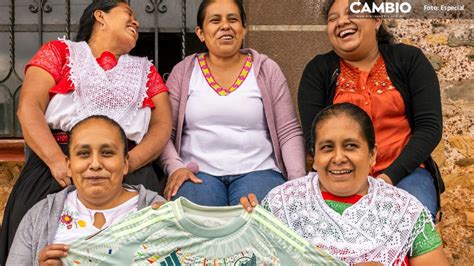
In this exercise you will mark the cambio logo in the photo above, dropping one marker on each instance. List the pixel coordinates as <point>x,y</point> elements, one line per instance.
<point>382,8</point>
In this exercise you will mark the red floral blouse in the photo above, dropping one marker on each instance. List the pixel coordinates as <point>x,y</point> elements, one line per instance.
<point>54,58</point>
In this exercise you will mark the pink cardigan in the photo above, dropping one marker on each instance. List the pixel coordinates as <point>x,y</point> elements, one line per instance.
<point>285,131</point>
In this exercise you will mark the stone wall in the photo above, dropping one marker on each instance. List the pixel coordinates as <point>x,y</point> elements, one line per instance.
<point>449,44</point>
<point>291,32</point>
<point>9,173</point>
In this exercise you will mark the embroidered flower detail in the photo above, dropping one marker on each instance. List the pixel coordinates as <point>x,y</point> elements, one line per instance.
<point>66,219</point>
<point>81,223</point>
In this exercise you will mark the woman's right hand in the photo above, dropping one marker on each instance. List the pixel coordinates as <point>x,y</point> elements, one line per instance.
<point>249,202</point>
<point>34,100</point>
<point>59,172</point>
<point>52,254</point>
<point>177,179</point>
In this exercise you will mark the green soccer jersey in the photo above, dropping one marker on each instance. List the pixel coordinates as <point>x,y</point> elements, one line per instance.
<point>182,233</point>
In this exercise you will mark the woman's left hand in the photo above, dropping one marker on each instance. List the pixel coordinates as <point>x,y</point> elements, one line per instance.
<point>385,178</point>
<point>154,141</point>
<point>157,205</point>
<point>249,202</point>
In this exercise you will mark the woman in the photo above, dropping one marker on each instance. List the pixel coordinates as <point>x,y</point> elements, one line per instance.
<point>67,81</point>
<point>394,83</point>
<point>234,126</point>
<point>342,210</point>
<point>97,163</point>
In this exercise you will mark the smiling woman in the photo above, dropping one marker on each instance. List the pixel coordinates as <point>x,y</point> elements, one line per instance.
<point>97,163</point>
<point>394,84</point>
<point>346,212</point>
<point>345,156</point>
<point>67,81</point>
<point>234,124</point>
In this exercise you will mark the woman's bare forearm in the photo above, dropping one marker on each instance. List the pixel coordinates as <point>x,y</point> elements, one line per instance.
<point>34,99</point>
<point>157,136</point>
<point>38,136</point>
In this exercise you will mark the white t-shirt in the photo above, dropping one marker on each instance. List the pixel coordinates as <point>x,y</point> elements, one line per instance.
<point>76,220</point>
<point>226,135</point>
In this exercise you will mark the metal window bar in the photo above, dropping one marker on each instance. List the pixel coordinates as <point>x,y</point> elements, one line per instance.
<point>156,7</point>
<point>41,7</point>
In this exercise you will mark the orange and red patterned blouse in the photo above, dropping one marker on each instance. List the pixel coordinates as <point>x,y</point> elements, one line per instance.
<point>374,93</point>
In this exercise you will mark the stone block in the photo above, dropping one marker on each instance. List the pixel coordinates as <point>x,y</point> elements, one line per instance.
<point>464,180</point>
<point>461,37</point>
<point>471,55</point>
<point>464,144</point>
<point>5,174</point>
<point>438,154</point>
<point>436,39</point>
<point>435,60</point>
<point>469,218</point>
<point>463,90</point>
<point>439,27</point>
<point>290,12</point>
<point>465,162</point>
<point>291,50</point>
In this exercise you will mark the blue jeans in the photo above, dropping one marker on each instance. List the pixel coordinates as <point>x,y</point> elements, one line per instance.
<point>227,190</point>
<point>421,184</point>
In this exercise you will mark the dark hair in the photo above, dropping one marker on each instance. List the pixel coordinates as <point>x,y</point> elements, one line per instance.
<point>87,21</point>
<point>106,119</point>
<point>352,111</point>
<point>383,35</point>
<point>205,3</point>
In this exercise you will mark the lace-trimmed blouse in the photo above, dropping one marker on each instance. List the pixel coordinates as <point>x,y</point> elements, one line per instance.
<point>424,243</point>
<point>54,56</point>
<point>302,206</point>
